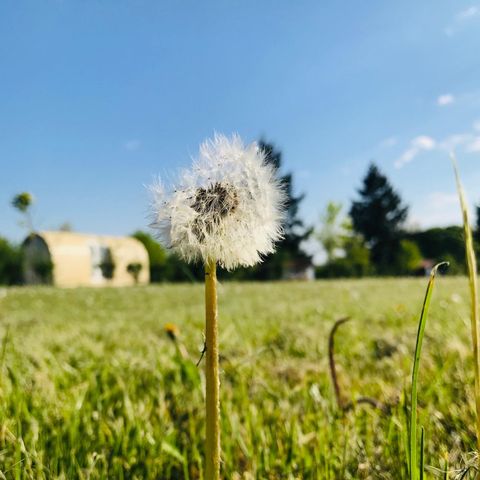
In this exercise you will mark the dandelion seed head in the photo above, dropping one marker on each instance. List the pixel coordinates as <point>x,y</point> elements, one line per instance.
<point>228,207</point>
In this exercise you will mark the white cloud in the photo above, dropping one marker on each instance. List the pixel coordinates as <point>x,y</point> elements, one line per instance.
<point>417,145</point>
<point>446,99</point>
<point>469,12</point>
<point>442,199</point>
<point>388,142</point>
<point>437,209</point>
<point>469,142</point>
<point>453,141</point>
<point>474,146</point>
<point>461,19</point>
<point>132,145</point>
<point>423,142</point>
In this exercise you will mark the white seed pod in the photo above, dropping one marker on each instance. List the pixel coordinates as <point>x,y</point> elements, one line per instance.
<point>228,207</point>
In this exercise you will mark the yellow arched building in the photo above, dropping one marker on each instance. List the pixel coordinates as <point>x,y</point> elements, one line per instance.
<point>70,259</point>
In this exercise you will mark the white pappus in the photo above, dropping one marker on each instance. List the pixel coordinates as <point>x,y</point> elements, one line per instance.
<point>227,208</point>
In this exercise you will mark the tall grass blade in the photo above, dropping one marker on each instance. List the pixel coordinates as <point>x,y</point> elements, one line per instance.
<point>473,283</point>
<point>414,468</point>
<point>422,453</point>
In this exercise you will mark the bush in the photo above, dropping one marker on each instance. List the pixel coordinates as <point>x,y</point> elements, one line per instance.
<point>134,270</point>
<point>10,263</point>
<point>409,258</point>
<point>44,270</point>
<point>156,256</point>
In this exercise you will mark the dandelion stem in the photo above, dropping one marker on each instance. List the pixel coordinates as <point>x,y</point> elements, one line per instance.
<point>212,451</point>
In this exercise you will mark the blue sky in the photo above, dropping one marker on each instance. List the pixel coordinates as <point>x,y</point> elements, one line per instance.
<point>98,97</point>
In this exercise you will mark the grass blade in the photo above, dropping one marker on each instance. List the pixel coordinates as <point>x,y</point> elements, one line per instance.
<point>422,453</point>
<point>416,365</point>
<point>473,283</point>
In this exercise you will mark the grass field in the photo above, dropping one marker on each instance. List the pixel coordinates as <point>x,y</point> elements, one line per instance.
<point>91,386</point>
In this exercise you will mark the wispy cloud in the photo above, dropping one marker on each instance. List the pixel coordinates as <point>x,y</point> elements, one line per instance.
<point>445,99</point>
<point>388,142</point>
<point>132,145</point>
<point>474,145</point>
<point>469,12</point>
<point>417,145</point>
<point>462,19</point>
<point>454,141</point>
<point>437,208</point>
<point>468,142</point>
<point>442,199</point>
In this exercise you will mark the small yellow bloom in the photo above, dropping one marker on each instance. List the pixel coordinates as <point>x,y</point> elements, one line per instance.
<point>172,331</point>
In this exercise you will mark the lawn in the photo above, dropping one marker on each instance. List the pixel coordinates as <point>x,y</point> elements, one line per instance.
<point>92,387</point>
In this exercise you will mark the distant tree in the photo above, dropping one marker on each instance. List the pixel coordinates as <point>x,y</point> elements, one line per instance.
<point>65,227</point>
<point>156,255</point>
<point>409,257</point>
<point>176,270</point>
<point>329,232</point>
<point>23,202</point>
<point>440,245</point>
<point>477,224</point>
<point>378,216</point>
<point>295,232</point>
<point>354,260</point>
<point>134,270</point>
<point>10,263</point>
<point>357,256</point>
<point>165,266</point>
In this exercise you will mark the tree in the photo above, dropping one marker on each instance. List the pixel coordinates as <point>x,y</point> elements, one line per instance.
<point>10,263</point>
<point>66,227</point>
<point>477,224</point>
<point>378,216</point>
<point>329,233</point>
<point>440,245</point>
<point>409,257</point>
<point>22,202</point>
<point>134,270</point>
<point>353,258</point>
<point>156,255</point>
<point>167,267</point>
<point>295,232</point>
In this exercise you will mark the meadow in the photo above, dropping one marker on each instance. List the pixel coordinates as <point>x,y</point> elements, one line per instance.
<point>92,387</point>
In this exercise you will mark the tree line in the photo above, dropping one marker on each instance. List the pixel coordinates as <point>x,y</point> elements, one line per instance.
<point>370,239</point>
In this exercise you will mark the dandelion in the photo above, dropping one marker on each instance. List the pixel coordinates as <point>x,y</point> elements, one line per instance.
<point>172,331</point>
<point>226,210</point>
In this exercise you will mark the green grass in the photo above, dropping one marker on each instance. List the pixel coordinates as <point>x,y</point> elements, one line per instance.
<point>91,387</point>
<point>417,470</point>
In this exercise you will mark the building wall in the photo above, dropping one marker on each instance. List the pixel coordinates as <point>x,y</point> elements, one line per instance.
<point>126,250</point>
<point>75,259</point>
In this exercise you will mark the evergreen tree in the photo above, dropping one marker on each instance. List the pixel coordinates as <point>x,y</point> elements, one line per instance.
<point>378,216</point>
<point>288,250</point>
